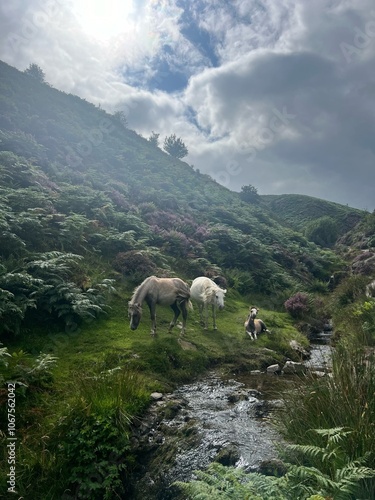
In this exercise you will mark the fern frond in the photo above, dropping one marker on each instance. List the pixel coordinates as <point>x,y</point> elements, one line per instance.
<point>312,475</point>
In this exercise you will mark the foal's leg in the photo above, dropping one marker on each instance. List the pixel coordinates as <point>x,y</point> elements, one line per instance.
<point>176,311</point>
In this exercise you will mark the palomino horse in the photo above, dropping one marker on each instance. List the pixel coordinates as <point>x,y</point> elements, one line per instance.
<point>171,292</point>
<point>206,292</point>
<point>254,326</point>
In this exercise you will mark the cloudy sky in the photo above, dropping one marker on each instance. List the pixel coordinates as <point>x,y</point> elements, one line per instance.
<point>279,94</point>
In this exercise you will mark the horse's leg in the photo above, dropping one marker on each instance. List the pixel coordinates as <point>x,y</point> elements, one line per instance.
<point>152,307</point>
<point>183,306</point>
<point>200,307</point>
<point>205,316</point>
<point>214,316</point>
<point>176,311</point>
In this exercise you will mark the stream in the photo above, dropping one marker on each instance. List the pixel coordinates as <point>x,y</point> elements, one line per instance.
<point>215,419</point>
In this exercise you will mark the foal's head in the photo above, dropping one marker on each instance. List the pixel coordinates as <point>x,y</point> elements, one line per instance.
<point>253,312</point>
<point>135,314</point>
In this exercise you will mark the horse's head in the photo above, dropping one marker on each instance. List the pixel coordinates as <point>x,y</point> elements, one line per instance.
<point>253,312</point>
<point>135,314</point>
<point>219,298</point>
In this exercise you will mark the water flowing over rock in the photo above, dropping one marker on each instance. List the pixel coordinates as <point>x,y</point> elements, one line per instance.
<point>211,420</point>
<point>215,419</point>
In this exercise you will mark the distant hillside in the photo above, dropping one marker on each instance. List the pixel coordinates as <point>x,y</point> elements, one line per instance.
<point>74,179</point>
<point>298,210</point>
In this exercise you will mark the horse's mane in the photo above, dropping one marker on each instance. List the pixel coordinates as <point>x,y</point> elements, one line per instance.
<point>139,290</point>
<point>181,288</point>
<point>210,290</point>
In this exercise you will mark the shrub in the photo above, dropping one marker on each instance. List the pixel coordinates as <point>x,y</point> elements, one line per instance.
<point>297,305</point>
<point>242,281</point>
<point>249,194</point>
<point>322,231</point>
<point>95,434</point>
<point>23,370</point>
<point>366,314</point>
<point>348,291</point>
<point>343,480</point>
<point>136,264</point>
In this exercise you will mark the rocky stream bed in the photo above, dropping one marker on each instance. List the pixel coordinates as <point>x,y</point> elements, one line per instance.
<point>219,418</point>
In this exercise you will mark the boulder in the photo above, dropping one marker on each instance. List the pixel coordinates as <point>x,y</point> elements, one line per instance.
<point>295,346</point>
<point>238,396</point>
<point>273,369</point>
<point>156,396</point>
<point>272,467</point>
<point>364,263</point>
<point>291,367</point>
<point>228,455</point>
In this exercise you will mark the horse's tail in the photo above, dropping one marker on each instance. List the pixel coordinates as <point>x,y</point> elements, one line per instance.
<point>185,300</point>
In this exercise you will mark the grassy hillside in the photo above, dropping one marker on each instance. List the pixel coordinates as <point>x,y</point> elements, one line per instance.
<point>298,210</point>
<point>90,185</point>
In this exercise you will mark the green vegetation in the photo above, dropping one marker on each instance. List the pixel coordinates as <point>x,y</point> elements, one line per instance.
<point>299,210</point>
<point>154,139</point>
<point>249,194</point>
<point>174,146</point>
<point>89,209</point>
<point>331,477</point>
<point>323,231</point>
<point>74,421</point>
<point>346,398</point>
<point>36,72</point>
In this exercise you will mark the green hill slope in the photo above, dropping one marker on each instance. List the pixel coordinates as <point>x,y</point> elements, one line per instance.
<point>75,179</point>
<point>298,210</point>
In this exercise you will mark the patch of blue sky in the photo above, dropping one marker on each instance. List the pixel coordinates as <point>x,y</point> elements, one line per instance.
<point>200,38</point>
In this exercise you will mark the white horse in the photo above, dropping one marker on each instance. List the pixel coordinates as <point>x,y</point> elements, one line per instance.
<point>206,292</point>
<point>254,326</point>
